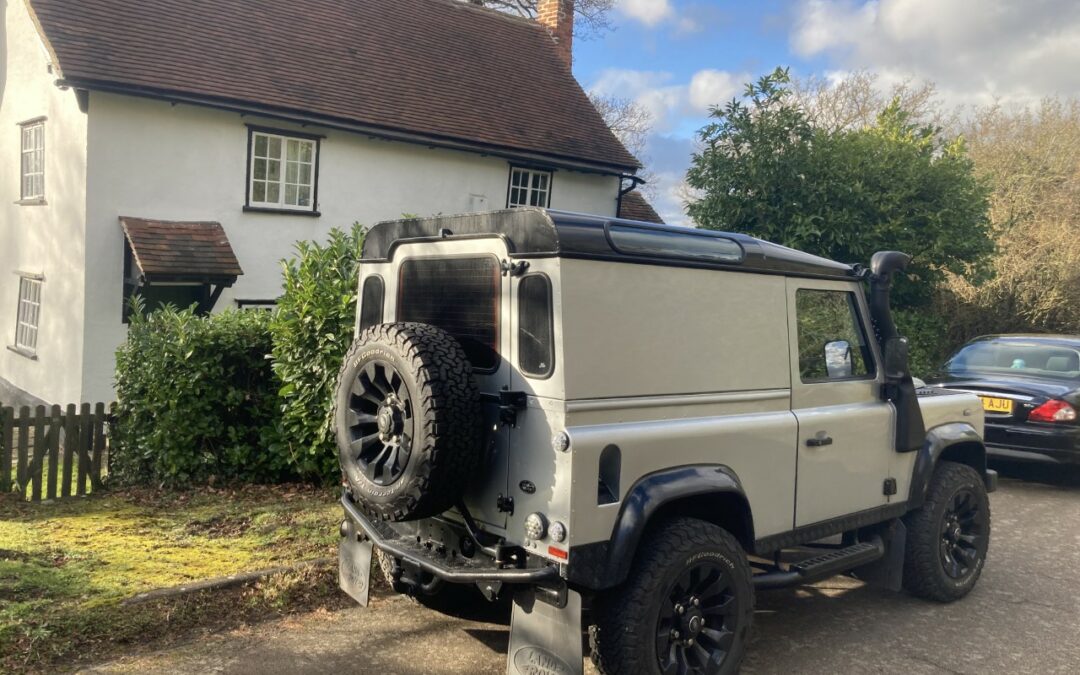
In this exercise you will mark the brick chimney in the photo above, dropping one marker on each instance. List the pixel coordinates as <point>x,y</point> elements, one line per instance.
<point>558,17</point>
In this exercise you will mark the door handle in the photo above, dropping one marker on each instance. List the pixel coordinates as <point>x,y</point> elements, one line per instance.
<point>819,441</point>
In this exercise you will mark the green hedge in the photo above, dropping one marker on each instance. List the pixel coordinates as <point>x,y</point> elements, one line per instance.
<point>312,329</point>
<point>197,400</point>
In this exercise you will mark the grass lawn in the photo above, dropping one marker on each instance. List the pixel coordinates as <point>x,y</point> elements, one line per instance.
<point>65,568</point>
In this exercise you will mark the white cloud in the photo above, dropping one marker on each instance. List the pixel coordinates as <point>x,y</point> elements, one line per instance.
<point>975,50</point>
<point>648,12</point>
<point>668,101</point>
<point>709,88</point>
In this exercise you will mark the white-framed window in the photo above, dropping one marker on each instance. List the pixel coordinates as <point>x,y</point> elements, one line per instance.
<point>29,313</point>
<point>282,171</point>
<point>32,157</point>
<point>529,187</point>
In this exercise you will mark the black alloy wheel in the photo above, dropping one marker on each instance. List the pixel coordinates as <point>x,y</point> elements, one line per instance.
<point>948,537</point>
<point>380,422</point>
<point>696,627</point>
<point>686,607</point>
<point>408,421</point>
<point>961,535</point>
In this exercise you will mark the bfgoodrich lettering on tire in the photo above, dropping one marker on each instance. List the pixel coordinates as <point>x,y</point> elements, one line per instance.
<point>685,609</point>
<point>948,536</point>
<point>408,421</point>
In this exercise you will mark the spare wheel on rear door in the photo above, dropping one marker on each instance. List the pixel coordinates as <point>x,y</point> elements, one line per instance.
<point>408,420</point>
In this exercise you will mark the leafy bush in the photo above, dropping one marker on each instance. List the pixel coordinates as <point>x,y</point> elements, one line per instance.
<point>197,401</point>
<point>312,328</point>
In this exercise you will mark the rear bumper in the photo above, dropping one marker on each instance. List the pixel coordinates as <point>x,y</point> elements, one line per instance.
<point>1059,445</point>
<point>452,569</point>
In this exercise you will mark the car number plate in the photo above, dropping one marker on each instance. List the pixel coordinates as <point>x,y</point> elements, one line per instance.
<point>997,405</point>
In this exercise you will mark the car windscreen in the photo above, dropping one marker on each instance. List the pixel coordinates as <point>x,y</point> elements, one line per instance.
<point>459,295</point>
<point>1005,358</point>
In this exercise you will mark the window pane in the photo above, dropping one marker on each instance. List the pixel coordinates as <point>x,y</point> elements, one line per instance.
<point>260,169</point>
<point>293,150</point>
<point>273,193</point>
<point>305,174</point>
<point>536,351</point>
<point>371,303</point>
<point>829,318</point>
<point>290,194</point>
<point>672,244</point>
<point>292,172</point>
<point>258,192</point>
<point>304,196</point>
<point>307,152</point>
<point>459,295</point>
<point>273,170</point>
<point>260,145</point>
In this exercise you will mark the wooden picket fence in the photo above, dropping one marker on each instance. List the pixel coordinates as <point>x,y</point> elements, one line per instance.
<point>53,453</point>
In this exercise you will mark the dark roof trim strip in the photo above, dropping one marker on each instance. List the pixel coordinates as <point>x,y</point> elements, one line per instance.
<point>531,233</point>
<point>296,117</point>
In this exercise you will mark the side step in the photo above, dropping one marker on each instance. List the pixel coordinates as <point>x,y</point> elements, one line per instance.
<point>823,566</point>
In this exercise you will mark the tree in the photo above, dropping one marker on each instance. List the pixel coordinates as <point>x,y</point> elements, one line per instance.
<point>766,170</point>
<point>631,123</point>
<point>855,100</point>
<point>1030,157</point>
<point>592,15</point>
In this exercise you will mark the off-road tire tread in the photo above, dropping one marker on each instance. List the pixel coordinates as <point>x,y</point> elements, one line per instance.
<point>448,443</point>
<point>623,616</point>
<point>922,563</point>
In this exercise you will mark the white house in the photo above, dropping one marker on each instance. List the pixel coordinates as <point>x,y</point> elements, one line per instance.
<point>181,148</point>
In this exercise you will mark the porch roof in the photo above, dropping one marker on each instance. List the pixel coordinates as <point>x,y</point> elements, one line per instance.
<point>170,251</point>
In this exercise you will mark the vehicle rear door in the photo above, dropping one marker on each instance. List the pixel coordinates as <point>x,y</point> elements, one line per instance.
<point>460,286</point>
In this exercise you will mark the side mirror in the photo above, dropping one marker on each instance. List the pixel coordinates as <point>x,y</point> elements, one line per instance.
<point>896,358</point>
<point>838,359</point>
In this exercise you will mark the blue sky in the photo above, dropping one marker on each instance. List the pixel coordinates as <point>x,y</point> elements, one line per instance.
<point>678,57</point>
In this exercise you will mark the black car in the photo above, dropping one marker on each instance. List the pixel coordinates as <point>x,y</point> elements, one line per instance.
<point>1030,388</point>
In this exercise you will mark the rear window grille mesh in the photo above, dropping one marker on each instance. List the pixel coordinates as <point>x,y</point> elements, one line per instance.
<point>459,295</point>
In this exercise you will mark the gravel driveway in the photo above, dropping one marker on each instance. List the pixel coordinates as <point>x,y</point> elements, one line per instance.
<point>1024,617</point>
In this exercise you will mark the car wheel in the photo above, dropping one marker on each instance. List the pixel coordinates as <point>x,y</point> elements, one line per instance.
<point>948,536</point>
<point>408,421</point>
<point>685,608</point>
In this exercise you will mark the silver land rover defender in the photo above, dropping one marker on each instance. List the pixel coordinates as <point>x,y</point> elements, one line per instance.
<point>631,428</point>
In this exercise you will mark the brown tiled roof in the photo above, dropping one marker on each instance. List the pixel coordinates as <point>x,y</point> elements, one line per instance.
<point>634,206</point>
<point>181,251</point>
<point>439,69</point>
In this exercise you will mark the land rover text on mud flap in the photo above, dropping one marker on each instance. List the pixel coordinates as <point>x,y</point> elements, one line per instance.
<point>631,428</point>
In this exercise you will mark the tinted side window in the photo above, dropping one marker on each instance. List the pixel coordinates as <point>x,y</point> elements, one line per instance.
<point>371,302</point>
<point>536,348</point>
<point>831,318</point>
<point>459,295</point>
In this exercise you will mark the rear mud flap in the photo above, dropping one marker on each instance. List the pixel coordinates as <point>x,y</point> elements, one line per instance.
<point>354,568</point>
<point>544,639</point>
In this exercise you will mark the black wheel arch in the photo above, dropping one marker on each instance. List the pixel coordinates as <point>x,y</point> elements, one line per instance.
<point>710,492</point>
<point>953,442</point>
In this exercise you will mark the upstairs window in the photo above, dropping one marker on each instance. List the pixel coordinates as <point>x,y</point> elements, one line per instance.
<point>282,172</point>
<point>28,315</point>
<point>529,187</point>
<point>32,170</point>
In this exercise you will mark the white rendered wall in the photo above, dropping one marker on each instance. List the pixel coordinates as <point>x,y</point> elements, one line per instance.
<point>151,159</point>
<point>45,239</point>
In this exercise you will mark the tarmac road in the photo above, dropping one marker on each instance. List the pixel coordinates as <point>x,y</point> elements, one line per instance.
<point>1023,617</point>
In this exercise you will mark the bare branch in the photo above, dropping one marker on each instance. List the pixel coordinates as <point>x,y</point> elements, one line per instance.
<point>592,15</point>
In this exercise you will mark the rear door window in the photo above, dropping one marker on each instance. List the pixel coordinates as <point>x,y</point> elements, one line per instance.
<point>459,295</point>
<point>536,348</point>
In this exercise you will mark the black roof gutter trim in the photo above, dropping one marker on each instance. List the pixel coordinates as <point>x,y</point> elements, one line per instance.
<point>338,124</point>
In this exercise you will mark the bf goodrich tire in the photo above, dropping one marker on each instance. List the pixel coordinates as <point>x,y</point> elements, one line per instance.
<point>685,608</point>
<point>408,421</point>
<point>948,536</point>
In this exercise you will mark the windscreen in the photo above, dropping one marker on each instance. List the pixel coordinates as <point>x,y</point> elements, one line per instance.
<point>459,295</point>
<point>1013,358</point>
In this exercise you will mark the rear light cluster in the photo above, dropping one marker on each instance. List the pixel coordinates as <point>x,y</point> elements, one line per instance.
<point>1053,411</point>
